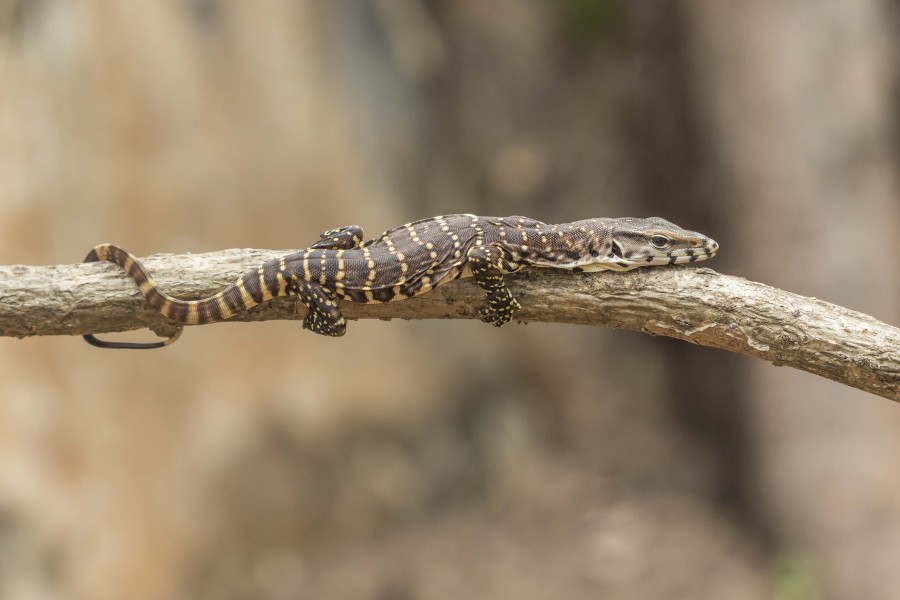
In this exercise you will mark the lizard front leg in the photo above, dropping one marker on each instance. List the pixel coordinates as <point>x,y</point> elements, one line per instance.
<point>324,316</point>
<point>488,264</point>
<point>341,238</point>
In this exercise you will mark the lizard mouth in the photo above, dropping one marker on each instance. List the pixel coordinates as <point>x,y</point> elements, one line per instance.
<point>679,256</point>
<point>693,255</point>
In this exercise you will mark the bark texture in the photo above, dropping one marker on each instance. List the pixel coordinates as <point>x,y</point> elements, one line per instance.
<point>691,304</point>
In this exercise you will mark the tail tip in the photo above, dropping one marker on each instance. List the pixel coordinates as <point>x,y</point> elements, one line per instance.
<point>98,253</point>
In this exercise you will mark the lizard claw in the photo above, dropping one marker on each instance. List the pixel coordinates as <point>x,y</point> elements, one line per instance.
<point>499,314</point>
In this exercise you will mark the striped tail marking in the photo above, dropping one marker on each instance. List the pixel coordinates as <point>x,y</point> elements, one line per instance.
<point>245,293</point>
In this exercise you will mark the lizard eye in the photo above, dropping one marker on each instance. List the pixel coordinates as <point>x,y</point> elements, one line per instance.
<point>659,242</point>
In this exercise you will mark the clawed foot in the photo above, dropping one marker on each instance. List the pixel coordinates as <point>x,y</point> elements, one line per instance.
<point>321,324</point>
<point>499,312</point>
<point>340,238</point>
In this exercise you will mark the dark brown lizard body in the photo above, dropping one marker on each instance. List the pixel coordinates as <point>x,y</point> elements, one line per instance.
<point>417,257</point>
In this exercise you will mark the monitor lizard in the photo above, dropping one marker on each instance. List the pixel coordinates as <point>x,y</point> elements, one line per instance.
<point>417,257</point>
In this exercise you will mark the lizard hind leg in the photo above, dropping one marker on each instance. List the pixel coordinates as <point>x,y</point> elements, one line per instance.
<point>323,317</point>
<point>488,264</point>
<point>341,238</point>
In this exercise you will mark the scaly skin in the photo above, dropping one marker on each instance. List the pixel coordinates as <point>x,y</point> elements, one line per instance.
<point>415,258</point>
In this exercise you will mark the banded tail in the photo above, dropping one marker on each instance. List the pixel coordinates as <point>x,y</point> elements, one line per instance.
<point>236,298</point>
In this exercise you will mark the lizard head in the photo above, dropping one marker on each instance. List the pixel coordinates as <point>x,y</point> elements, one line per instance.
<point>629,243</point>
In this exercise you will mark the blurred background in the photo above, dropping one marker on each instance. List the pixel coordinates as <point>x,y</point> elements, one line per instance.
<point>438,460</point>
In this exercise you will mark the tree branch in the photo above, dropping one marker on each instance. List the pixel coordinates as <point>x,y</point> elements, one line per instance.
<point>696,305</point>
